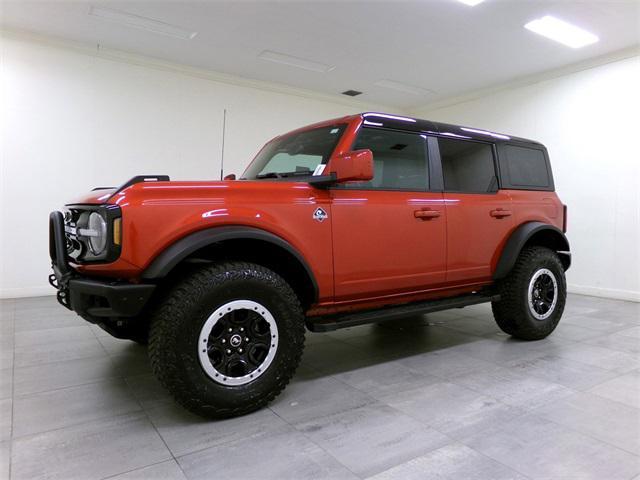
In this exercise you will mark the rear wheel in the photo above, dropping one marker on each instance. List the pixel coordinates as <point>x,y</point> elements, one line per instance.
<point>227,340</point>
<point>532,296</point>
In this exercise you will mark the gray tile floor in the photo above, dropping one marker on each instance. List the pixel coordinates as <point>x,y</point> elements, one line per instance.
<point>446,395</point>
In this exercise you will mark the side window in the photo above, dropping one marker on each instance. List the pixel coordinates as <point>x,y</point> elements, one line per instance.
<point>399,159</point>
<point>467,166</point>
<point>526,167</point>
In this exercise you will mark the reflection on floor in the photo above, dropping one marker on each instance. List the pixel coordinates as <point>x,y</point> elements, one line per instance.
<point>446,394</point>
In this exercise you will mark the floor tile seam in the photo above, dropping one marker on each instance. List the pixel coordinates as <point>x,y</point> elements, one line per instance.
<point>40,364</point>
<point>138,468</point>
<point>179,456</point>
<point>68,387</point>
<point>524,407</point>
<point>13,403</point>
<point>93,357</point>
<point>589,435</point>
<point>155,429</point>
<point>458,441</point>
<point>318,445</point>
<point>75,424</point>
<point>611,399</point>
<point>557,424</point>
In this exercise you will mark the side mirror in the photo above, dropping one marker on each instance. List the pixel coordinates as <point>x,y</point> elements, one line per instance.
<point>231,176</point>
<point>355,166</point>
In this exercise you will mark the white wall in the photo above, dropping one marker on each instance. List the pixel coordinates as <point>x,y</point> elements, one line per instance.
<point>72,121</point>
<point>589,121</point>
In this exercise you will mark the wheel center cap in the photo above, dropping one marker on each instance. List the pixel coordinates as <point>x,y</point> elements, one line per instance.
<point>235,340</point>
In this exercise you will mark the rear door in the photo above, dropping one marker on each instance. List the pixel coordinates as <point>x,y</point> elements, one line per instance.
<point>389,234</point>
<point>479,215</point>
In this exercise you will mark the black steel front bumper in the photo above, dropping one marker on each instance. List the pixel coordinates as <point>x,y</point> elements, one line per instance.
<point>102,301</point>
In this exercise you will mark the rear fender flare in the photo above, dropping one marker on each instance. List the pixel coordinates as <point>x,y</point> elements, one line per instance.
<point>519,239</point>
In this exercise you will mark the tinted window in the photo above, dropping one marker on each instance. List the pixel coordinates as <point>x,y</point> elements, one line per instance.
<point>526,167</point>
<point>467,166</point>
<point>399,160</point>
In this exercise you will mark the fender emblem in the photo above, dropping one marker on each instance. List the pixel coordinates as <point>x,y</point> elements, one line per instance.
<point>320,215</point>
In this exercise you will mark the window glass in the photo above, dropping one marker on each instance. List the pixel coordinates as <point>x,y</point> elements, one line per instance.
<point>527,166</point>
<point>467,166</point>
<point>295,154</point>
<point>399,160</point>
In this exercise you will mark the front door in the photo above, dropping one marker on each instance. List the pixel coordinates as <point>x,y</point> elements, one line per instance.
<point>389,234</point>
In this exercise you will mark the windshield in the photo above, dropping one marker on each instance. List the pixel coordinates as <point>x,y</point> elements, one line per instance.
<point>296,154</point>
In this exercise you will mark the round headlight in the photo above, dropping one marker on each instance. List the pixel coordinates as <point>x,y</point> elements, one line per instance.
<point>98,239</point>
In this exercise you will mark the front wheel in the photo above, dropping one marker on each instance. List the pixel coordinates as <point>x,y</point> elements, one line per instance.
<point>532,296</point>
<point>227,339</point>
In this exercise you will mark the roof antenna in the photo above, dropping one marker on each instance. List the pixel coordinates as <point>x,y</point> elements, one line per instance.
<point>224,126</point>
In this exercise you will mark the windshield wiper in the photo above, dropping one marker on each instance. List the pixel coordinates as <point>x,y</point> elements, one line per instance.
<point>284,174</point>
<point>268,175</point>
<point>297,173</point>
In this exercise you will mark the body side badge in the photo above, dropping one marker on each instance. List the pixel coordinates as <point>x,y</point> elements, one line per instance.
<point>320,215</point>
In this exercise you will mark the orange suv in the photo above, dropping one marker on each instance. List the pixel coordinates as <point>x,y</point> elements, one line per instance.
<point>366,218</point>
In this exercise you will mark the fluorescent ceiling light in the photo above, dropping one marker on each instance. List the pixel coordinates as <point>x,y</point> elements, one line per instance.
<point>561,31</point>
<point>295,62</point>
<point>402,87</point>
<point>471,3</point>
<point>143,23</point>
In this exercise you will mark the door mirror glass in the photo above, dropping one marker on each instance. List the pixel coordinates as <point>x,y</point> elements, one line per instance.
<point>355,166</point>
<point>231,176</point>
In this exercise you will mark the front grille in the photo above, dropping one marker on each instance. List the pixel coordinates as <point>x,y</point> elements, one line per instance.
<point>74,246</point>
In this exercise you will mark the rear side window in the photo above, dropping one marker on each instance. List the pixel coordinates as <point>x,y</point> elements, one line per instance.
<point>399,160</point>
<point>467,167</point>
<point>525,167</point>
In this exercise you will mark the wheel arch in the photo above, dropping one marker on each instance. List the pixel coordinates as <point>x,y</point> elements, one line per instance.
<point>239,243</point>
<point>532,233</point>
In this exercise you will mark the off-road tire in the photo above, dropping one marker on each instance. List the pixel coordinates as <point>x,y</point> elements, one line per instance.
<point>176,324</point>
<point>512,312</point>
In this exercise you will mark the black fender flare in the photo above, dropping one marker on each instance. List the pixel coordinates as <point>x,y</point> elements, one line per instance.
<point>181,249</point>
<point>519,238</point>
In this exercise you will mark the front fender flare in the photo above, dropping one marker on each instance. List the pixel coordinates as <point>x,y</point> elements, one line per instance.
<point>521,236</point>
<point>181,249</point>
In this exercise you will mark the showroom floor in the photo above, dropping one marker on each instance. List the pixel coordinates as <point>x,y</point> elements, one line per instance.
<point>446,395</point>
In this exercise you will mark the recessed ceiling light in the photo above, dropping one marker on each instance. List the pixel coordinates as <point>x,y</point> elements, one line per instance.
<point>561,31</point>
<point>471,3</point>
<point>143,23</point>
<point>351,93</point>
<point>402,87</point>
<point>295,61</point>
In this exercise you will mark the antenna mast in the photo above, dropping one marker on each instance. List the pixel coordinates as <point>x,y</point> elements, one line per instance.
<point>224,126</point>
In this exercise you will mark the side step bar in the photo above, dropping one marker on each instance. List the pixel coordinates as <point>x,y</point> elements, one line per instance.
<point>334,322</point>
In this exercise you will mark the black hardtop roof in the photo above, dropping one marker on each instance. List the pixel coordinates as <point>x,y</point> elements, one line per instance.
<point>400,122</point>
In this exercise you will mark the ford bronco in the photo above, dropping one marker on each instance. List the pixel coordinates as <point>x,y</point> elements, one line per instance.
<point>366,218</point>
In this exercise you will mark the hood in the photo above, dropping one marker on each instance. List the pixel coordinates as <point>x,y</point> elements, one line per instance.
<point>101,194</point>
<point>94,197</point>
<point>181,190</point>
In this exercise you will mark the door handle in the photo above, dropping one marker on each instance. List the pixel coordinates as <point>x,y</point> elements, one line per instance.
<point>426,214</point>
<point>500,213</point>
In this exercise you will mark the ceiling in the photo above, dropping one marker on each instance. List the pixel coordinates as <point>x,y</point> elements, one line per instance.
<point>442,47</point>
